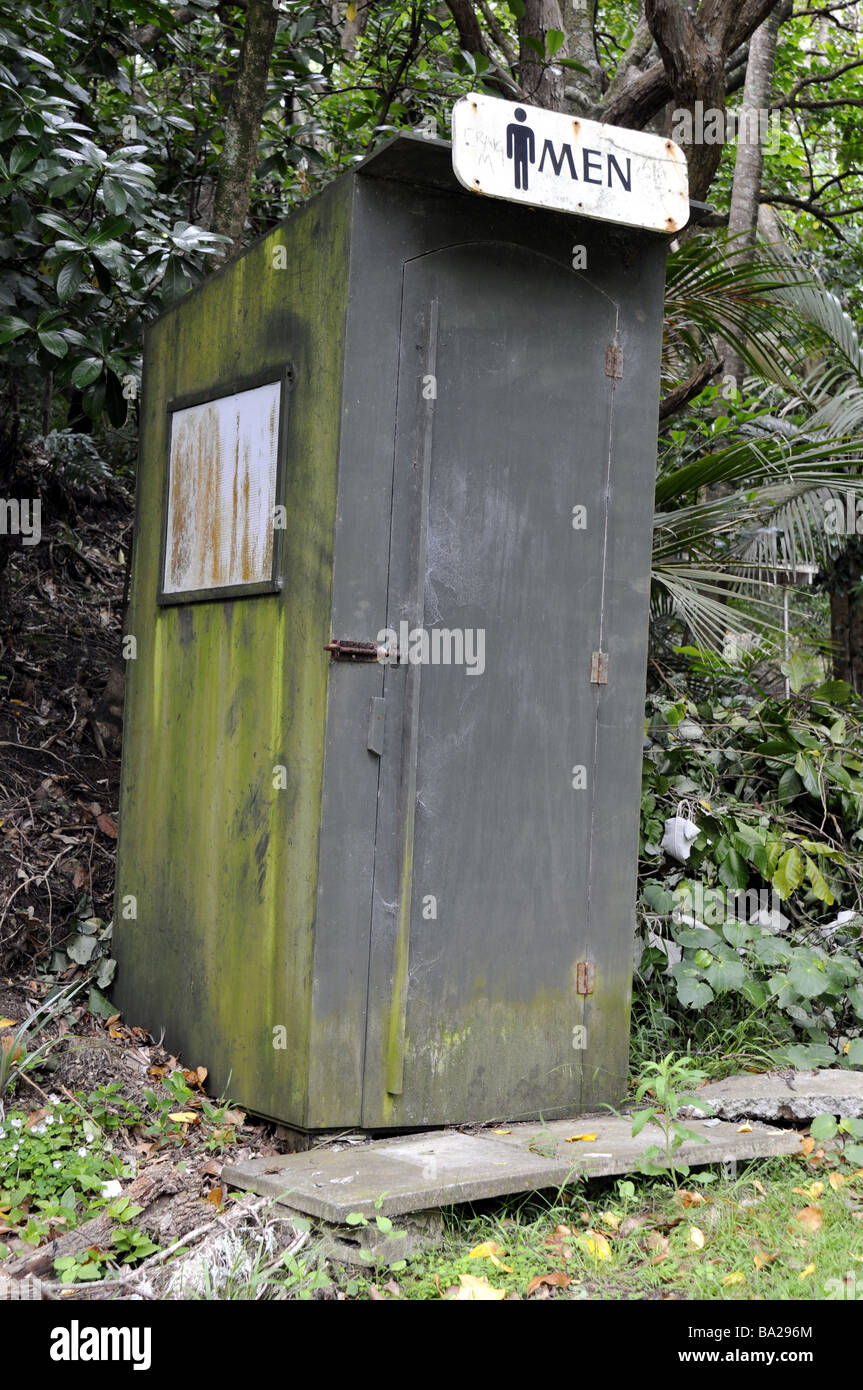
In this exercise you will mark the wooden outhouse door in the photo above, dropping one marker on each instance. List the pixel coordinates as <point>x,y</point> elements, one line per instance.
<point>485,923</point>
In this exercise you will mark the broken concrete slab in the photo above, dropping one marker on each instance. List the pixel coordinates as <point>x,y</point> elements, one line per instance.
<point>418,1171</point>
<point>786,1095</point>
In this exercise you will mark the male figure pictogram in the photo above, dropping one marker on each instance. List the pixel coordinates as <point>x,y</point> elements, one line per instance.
<point>520,147</point>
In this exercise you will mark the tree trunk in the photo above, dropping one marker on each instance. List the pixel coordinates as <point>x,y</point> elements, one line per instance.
<point>749,159</point>
<point>694,46</point>
<point>579,24</point>
<point>243,123</point>
<point>846,615</point>
<point>542,83</point>
<point>846,631</point>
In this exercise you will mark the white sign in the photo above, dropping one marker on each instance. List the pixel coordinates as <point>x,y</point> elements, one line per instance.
<point>505,149</point>
<point>221,492</point>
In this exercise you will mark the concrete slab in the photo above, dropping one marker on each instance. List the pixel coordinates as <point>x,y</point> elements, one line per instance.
<point>419,1171</point>
<point>787,1095</point>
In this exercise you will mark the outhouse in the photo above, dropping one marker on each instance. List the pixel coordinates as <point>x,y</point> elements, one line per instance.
<point>389,610</point>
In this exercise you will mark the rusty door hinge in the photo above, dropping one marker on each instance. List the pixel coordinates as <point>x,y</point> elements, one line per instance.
<point>599,668</point>
<point>342,649</point>
<point>614,361</point>
<point>585,974</point>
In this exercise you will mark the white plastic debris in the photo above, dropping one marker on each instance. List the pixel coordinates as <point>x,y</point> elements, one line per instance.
<point>679,835</point>
<point>112,1188</point>
<point>830,927</point>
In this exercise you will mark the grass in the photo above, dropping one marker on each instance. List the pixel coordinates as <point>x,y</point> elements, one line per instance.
<point>784,1229</point>
<point>722,1042</point>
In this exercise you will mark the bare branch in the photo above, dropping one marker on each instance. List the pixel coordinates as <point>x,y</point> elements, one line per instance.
<point>689,389</point>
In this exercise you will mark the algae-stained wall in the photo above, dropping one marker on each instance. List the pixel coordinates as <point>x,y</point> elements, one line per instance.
<point>218,864</point>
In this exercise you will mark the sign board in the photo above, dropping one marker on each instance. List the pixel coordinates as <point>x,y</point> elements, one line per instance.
<point>221,493</point>
<point>509,150</point>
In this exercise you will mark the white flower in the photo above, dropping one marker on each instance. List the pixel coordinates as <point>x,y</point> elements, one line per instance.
<point>112,1188</point>
<point>15,1148</point>
<point>57,1163</point>
<point>16,1124</point>
<point>49,1119</point>
<point>82,1153</point>
<point>53,1099</point>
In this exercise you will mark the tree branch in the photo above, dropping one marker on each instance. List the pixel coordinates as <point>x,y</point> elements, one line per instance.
<point>689,389</point>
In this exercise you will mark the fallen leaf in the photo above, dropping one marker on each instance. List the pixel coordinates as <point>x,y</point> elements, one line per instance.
<point>556,1279</point>
<point>659,1244</point>
<point>213,1168</point>
<point>7,1022</point>
<point>215,1196</point>
<point>696,1237</point>
<point>499,1264</point>
<point>107,826</point>
<point>691,1199</point>
<point>738,1277</point>
<point>759,1186</point>
<point>610,1219</point>
<point>482,1252</point>
<point>807,1144</point>
<point>235,1117</point>
<point>392,1287</point>
<point>479,1289</point>
<point>501,1131</point>
<point>185,1117</point>
<point>836,1180</point>
<point>812,1191</point>
<point>761,1258</point>
<point>596,1245</point>
<point>576,1138</point>
<point>35,1117</point>
<point>375,1295</point>
<point>805,1273</point>
<point>744,1129</point>
<point>810,1218</point>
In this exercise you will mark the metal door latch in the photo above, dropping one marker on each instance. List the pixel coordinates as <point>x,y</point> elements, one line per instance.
<point>585,972</point>
<point>343,649</point>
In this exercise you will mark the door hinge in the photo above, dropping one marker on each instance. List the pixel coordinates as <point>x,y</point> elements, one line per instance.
<point>342,649</point>
<point>585,974</point>
<point>614,361</point>
<point>599,668</point>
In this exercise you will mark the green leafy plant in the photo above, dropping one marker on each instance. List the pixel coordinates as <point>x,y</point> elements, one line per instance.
<point>54,1168</point>
<point>177,1105</point>
<point>749,930</point>
<point>18,1055</point>
<point>668,1082</point>
<point>383,1223</point>
<point>847,1132</point>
